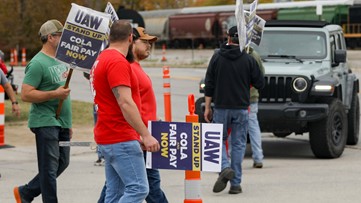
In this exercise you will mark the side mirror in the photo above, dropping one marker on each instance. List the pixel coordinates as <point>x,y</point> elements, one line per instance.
<point>340,56</point>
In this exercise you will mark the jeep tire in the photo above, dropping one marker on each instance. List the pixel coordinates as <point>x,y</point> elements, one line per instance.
<point>328,136</point>
<point>281,134</point>
<point>199,110</point>
<point>353,119</point>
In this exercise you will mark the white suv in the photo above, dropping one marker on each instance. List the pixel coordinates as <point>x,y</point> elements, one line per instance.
<point>309,85</point>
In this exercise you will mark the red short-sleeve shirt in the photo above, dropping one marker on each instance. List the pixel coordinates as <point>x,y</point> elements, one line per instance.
<point>110,70</point>
<point>149,106</point>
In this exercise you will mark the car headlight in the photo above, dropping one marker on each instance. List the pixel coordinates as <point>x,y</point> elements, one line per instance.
<point>299,84</point>
<point>324,88</point>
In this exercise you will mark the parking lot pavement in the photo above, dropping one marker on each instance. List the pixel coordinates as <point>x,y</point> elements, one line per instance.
<point>291,174</point>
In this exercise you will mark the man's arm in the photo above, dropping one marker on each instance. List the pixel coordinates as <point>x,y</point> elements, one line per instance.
<point>14,104</point>
<point>32,95</point>
<point>208,114</point>
<point>209,88</point>
<point>9,90</point>
<point>131,114</point>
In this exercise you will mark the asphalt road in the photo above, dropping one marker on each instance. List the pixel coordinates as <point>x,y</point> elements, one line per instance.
<point>184,81</point>
<point>290,173</point>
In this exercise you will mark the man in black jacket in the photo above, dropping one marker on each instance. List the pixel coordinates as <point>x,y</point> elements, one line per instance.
<point>229,76</point>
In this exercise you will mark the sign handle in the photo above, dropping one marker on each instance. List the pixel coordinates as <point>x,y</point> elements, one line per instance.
<point>65,86</point>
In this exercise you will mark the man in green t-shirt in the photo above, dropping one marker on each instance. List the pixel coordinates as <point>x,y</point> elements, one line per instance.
<point>43,86</point>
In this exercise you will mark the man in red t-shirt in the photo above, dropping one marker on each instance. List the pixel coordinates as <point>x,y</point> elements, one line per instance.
<point>141,50</point>
<point>120,131</point>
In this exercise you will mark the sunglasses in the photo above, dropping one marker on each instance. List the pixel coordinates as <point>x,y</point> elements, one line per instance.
<point>58,34</point>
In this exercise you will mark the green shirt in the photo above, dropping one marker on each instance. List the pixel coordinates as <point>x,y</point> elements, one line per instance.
<point>46,74</point>
<point>254,92</point>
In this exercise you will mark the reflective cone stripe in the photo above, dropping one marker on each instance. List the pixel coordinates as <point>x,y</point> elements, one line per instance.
<point>192,191</point>
<point>2,117</point>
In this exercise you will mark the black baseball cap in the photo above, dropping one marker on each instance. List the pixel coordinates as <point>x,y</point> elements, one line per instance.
<point>233,32</point>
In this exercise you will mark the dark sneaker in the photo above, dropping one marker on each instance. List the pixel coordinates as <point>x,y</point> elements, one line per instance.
<point>235,190</point>
<point>221,183</point>
<point>18,197</point>
<point>257,165</point>
<point>99,162</point>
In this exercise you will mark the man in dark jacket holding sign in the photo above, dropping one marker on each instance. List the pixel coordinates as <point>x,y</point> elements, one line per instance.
<point>229,77</point>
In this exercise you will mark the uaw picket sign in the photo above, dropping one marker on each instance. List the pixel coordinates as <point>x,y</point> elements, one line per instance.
<point>258,27</point>
<point>84,32</point>
<point>186,146</point>
<point>113,17</point>
<point>110,9</point>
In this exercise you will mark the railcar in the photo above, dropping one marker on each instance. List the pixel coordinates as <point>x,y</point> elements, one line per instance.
<point>206,26</point>
<point>157,23</point>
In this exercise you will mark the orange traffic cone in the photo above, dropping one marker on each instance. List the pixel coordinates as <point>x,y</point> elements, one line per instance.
<point>12,60</point>
<point>15,57</point>
<point>23,57</point>
<point>163,52</point>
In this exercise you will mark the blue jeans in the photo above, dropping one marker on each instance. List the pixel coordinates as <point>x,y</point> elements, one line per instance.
<point>255,134</point>
<point>102,194</point>
<point>156,194</point>
<point>100,156</point>
<point>126,177</point>
<point>237,121</point>
<point>52,161</point>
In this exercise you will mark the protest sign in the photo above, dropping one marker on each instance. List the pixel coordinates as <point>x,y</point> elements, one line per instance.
<point>186,146</point>
<point>83,36</point>
<point>258,28</point>
<point>241,24</point>
<point>110,9</point>
<point>249,19</point>
<point>113,17</point>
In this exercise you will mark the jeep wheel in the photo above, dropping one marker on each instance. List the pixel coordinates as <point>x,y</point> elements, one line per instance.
<point>281,134</point>
<point>199,110</point>
<point>328,136</point>
<point>353,120</point>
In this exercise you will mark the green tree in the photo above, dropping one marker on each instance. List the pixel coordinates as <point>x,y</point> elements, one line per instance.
<point>20,21</point>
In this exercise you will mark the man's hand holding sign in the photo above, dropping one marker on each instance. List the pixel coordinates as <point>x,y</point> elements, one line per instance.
<point>84,32</point>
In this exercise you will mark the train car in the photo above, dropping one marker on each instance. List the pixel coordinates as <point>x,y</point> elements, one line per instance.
<point>206,26</point>
<point>157,23</point>
<point>331,14</point>
<point>194,30</point>
<point>344,15</point>
<point>197,27</point>
<point>352,29</point>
